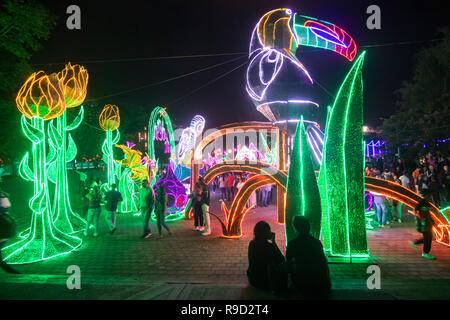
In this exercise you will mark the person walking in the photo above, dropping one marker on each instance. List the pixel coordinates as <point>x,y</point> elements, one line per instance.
<point>264,196</point>
<point>7,229</point>
<point>380,205</point>
<point>229,181</point>
<point>113,197</point>
<point>205,199</point>
<point>435,189</point>
<point>83,178</point>
<point>94,210</point>
<point>197,205</point>
<point>223,187</point>
<point>146,204</point>
<point>424,226</point>
<point>160,209</point>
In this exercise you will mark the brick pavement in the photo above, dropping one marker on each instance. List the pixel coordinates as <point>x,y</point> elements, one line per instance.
<point>190,266</point>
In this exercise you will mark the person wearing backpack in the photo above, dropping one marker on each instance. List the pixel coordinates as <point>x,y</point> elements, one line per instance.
<point>7,229</point>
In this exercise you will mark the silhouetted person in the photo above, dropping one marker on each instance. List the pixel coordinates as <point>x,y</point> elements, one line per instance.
<point>113,197</point>
<point>146,205</point>
<point>307,262</point>
<point>160,209</point>
<point>7,229</point>
<point>424,226</point>
<point>197,204</point>
<point>266,262</point>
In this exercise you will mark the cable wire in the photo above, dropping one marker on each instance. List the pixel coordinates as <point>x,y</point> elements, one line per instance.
<point>163,81</point>
<point>145,59</point>
<point>207,84</point>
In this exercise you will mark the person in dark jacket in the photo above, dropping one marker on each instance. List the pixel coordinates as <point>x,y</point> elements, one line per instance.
<point>306,261</point>
<point>205,199</point>
<point>146,205</point>
<point>7,229</point>
<point>435,189</point>
<point>266,262</point>
<point>160,209</point>
<point>113,197</point>
<point>197,205</point>
<point>424,226</point>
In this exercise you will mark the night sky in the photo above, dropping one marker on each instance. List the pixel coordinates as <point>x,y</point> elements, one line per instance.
<point>131,29</point>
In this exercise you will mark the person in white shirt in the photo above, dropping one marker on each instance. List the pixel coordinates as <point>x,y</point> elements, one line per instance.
<point>405,180</point>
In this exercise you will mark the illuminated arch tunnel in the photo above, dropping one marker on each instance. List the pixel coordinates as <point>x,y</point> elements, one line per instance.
<point>266,175</point>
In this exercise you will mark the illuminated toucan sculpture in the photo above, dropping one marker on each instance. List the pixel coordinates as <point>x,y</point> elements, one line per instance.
<point>274,42</point>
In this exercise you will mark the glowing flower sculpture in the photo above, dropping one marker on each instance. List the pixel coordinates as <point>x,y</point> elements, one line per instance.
<point>109,121</point>
<point>40,99</point>
<point>134,172</point>
<point>74,81</point>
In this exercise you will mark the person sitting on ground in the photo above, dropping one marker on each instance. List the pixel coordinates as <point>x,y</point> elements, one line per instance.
<point>266,262</point>
<point>306,261</point>
<point>424,226</point>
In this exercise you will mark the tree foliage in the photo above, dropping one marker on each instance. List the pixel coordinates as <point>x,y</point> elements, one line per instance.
<point>423,115</point>
<point>23,27</point>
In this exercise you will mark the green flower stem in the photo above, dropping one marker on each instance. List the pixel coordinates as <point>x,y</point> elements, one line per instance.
<point>65,219</point>
<point>43,241</point>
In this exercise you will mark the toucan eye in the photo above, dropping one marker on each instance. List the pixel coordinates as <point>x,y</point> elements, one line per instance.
<point>288,11</point>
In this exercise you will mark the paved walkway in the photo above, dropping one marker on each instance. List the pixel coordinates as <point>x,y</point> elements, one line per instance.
<point>187,265</point>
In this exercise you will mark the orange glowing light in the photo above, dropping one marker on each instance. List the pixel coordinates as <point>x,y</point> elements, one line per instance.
<point>109,118</point>
<point>74,81</point>
<point>41,96</point>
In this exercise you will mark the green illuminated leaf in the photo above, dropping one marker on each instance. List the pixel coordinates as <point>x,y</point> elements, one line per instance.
<point>52,172</point>
<point>71,149</point>
<point>105,149</point>
<point>77,121</point>
<point>342,179</point>
<point>302,192</point>
<point>54,135</point>
<point>51,154</point>
<point>33,134</point>
<point>117,137</point>
<point>37,203</point>
<point>24,170</point>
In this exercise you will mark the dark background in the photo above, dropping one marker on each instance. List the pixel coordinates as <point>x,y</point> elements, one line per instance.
<point>139,29</point>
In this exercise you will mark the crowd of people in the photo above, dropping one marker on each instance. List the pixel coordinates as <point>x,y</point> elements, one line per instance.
<point>149,201</point>
<point>430,172</point>
<point>229,183</point>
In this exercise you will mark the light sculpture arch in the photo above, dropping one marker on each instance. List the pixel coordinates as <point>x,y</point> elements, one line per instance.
<point>265,175</point>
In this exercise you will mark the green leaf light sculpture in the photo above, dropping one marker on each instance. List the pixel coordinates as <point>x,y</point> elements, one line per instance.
<point>341,180</point>
<point>302,192</point>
